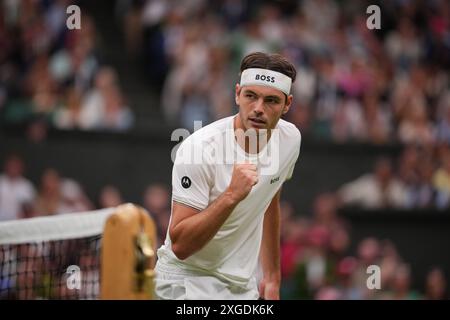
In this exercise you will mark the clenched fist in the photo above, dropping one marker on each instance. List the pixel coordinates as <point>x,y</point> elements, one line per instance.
<point>245,176</point>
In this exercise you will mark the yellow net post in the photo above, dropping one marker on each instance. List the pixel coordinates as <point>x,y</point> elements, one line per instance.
<point>128,255</point>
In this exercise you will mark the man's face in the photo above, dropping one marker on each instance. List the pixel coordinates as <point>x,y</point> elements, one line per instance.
<point>14,167</point>
<point>261,107</point>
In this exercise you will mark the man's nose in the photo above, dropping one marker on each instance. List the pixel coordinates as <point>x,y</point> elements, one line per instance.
<point>259,107</point>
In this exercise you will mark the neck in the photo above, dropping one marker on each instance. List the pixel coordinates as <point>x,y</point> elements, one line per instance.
<point>250,140</point>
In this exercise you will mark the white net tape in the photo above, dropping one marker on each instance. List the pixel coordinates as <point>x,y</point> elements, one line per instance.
<point>51,228</point>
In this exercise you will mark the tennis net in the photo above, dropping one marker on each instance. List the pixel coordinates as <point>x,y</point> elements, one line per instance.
<point>52,257</point>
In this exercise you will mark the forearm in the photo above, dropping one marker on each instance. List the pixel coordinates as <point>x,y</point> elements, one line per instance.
<point>270,248</point>
<point>192,233</point>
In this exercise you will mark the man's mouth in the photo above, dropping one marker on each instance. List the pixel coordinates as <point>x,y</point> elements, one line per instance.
<point>257,120</point>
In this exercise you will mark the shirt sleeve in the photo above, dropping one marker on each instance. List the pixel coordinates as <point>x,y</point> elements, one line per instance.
<point>191,177</point>
<point>294,159</point>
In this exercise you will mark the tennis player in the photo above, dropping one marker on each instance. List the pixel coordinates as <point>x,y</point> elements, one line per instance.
<point>226,185</point>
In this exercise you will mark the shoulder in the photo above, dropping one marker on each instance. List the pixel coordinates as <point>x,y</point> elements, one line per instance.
<point>290,137</point>
<point>202,142</point>
<point>366,180</point>
<point>24,181</point>
<point>289,130</point>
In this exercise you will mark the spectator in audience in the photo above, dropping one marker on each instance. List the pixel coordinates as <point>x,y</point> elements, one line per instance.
<point>68,116</point>
<point>292,245</point>
<point>325,211</point>
<point>443,125</point>
<point>157,203</point>
<point>404,45</point>
<point>75,63</point>
<point>326,97</point>
<point>379,189</point>
<point>400,286</point>
<point>348,122</point>
<point>117,115</point>
<point>347,288</point>
<point>16,192</point>
<point>58,195</point>
<point>339,243</point>
<point>415,126</point>
<point>327,293</point>
<point>436,285</point>
<point>389,262</point>
<point>314,268</point>
<point>110,197</point>
<point>441,181</point>
<point>369,253</point>
<point>74,197</point>
<point>354,80</point>
<point>49,200</point>
<point>423,194</point>
<point>104,108</point>
<point>378,120</point>
<point>29,264</point>
<point>408,164</point>
<point>287,213</point>
<point>131,13</point>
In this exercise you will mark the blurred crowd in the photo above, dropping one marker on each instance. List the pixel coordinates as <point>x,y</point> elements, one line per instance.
<point>418,179</point>
<point>316,263</point>
<point>52,76</point>
<point>353,84</point>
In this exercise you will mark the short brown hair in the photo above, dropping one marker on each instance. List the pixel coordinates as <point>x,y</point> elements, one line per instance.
<point>274,62</point>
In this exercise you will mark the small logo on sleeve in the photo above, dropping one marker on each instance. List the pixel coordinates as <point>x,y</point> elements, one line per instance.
<point>186,182</point>
<point>274,180</point>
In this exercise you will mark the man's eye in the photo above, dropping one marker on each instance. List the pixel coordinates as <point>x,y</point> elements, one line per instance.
<point>251,96</point>
<point>270,101</point>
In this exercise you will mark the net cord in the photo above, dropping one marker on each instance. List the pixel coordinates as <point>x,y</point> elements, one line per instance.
<point>52,228</point>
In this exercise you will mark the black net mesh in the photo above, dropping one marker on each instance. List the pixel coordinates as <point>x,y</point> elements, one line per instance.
<point>62,269</point>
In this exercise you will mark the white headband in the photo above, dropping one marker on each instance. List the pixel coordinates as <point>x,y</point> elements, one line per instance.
<point>265,77</point>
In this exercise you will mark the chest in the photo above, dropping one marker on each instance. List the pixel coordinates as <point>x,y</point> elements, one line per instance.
<point>268,183</point>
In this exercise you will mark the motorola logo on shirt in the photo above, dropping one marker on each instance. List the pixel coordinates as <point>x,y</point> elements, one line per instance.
<point>186,182</point>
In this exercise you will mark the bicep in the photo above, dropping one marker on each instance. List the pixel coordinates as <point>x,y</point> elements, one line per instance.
<point>180,212</point>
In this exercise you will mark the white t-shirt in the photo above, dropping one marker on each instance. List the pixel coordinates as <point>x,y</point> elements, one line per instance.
<point>201,173</point>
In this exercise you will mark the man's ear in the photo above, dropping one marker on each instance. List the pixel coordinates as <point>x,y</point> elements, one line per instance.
<point>288,104</point>
<point>237,92</point>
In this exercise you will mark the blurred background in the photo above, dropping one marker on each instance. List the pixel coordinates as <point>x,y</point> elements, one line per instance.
<point>86,118</point>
